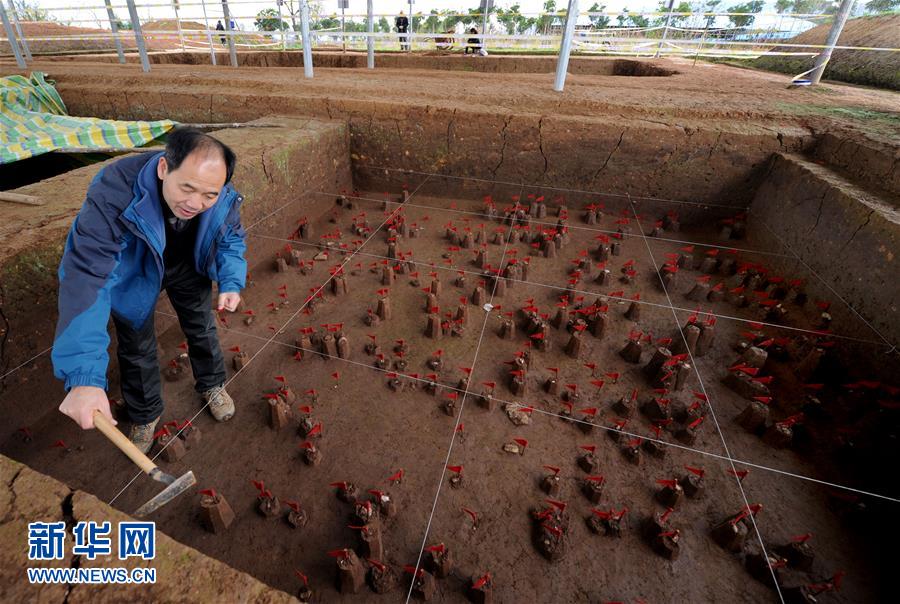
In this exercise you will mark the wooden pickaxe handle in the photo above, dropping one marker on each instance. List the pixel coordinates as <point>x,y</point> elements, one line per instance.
<point>121,441</point>
<point>29,200</point>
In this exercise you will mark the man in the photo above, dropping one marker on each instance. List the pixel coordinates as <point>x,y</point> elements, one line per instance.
<point>220,27</point>
<point>402,25</point>
<point>153,221</point>
<point>473,43</point>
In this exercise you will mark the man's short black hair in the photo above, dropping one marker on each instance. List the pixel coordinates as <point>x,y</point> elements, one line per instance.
<point>181,142</point>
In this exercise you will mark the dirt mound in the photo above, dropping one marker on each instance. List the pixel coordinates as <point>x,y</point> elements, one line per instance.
<point>172,25</point>
<point>869,67</point>
<point>46,37</point>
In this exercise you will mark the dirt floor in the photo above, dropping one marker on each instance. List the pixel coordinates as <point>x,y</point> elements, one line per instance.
<point>700,97</point>
<point>370,431</point>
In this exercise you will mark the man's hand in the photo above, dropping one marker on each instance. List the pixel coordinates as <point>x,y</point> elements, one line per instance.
<point>82,401</point>
<point>228,301</point>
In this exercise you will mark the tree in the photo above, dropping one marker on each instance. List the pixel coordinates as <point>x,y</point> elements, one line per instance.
<point>875,7</point>
<point>882,6</point>
<point>525,24</point>
<point>433,21</point>
<point>514,21</point>
<point>28,10</point>
<point>331,22</point>
<point>626,19</point>
<point>710,7</point>
<point>293,10</point>
<point>598,21</point>
<point>449,19</point>
<point>747,12</point>
<point>355,26</point>
<point>507,18</point>
<point>267,20</point>
<point>639,21</point>
<point>473,18</point>
<point>546,18</point>
<point>416,22</point>
<point>674,20</point>
<point>383,25</point>
<point>807,7</point>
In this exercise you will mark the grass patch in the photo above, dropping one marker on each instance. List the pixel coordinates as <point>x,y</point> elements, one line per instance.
<point>852,113</point>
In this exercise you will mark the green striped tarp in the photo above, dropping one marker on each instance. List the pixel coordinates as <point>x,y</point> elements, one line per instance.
<point>33,121</point>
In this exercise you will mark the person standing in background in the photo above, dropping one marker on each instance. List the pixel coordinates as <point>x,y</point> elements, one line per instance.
<point>402,25</point>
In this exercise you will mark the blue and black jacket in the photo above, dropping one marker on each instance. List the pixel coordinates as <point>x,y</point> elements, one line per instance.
<point>113,262</point>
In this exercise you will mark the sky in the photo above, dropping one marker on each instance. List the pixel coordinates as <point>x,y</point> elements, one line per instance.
<point>92,13</point>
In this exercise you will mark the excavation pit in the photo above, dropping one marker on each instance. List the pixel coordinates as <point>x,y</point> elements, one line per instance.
<point>384,427</point>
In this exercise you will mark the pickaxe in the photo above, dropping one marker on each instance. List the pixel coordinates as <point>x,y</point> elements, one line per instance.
<point>174,486</point>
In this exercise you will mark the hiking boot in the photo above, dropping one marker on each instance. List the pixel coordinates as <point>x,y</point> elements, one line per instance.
<point>142,435</point>
<point>220,404</point>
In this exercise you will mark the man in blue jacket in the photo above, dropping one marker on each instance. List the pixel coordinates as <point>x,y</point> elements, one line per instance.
<point>153,221</point>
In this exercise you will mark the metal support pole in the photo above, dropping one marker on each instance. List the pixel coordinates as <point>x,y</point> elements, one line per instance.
<point>115,30</point>
<point>370,39</point>
<point>11,38</point>
<point>231,50</point>
<point>138,34</point>
<point>486,6</point>
<point>22,40</point>
<point>304,33</point>
<point>178,24</point>
<point>409,32</point>
<point>836,28</point>
<point>281,26</point>
<point>343,32</point>
<point>212,50</point>
<point>665,33</point>
<point>562,62</point>
<point>702,40</point>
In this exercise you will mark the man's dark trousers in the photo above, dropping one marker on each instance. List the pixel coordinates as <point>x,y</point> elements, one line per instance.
<point>191,295</point>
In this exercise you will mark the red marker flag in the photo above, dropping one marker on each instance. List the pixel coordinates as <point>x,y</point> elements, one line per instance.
<point>560,505</point>
<point>481,582</point>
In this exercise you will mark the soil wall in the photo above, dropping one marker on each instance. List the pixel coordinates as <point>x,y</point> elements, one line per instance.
<point>873,165</point>
<point>844,233</point>
<point>443,62</point>
<point>183,573</point>
<point>618,155</point>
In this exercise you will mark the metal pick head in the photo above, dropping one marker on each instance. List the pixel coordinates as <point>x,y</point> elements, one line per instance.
<point>172,491</point>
